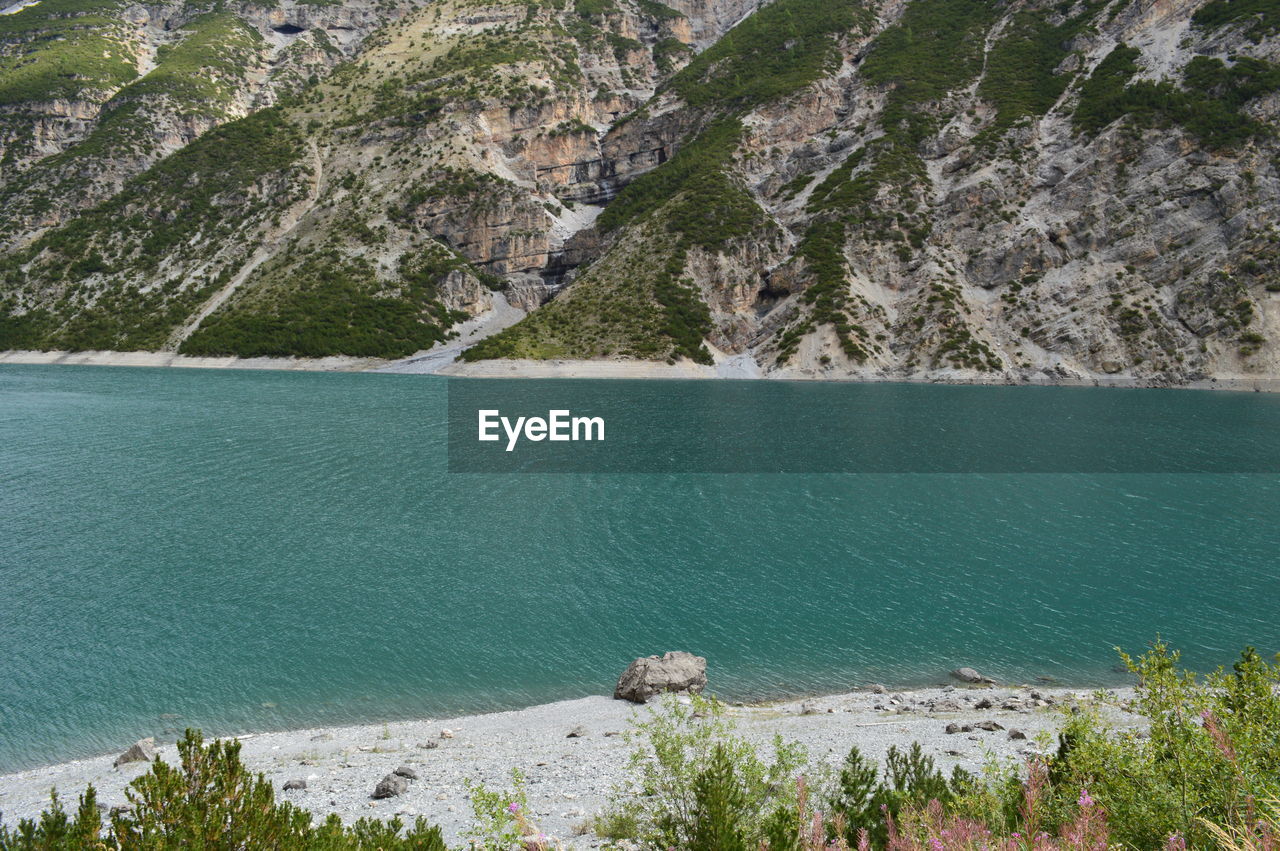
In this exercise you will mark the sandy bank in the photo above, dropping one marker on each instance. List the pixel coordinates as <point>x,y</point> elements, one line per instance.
<point>569,779</point>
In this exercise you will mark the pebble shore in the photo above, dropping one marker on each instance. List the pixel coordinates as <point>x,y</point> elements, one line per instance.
<point>568,778</point>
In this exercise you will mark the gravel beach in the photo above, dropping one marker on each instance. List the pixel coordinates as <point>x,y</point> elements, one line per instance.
<point>569,778</point>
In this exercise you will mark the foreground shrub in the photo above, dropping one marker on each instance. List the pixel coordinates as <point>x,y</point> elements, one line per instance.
<point>1212,751</point>
<point>911,781</point>
<point>211,802</point>
<point>696,784</point>
<point>1194,779</point>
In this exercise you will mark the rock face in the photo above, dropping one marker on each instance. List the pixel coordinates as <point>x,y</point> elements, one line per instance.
<point>143,750</point>
<point>676,671</point>
<point>1000,242</point>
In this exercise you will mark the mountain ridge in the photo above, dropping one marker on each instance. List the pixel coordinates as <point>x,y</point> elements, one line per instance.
<point>933,188</point>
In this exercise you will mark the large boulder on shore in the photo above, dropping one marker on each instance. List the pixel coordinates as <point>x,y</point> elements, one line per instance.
<point>650,675</point>
<point>143,750</point>
<point>969,675</point>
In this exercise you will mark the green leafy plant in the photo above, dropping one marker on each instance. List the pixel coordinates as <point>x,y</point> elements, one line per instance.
<point>211,801</point>
<point>502,818</point>
<point>694,782</point>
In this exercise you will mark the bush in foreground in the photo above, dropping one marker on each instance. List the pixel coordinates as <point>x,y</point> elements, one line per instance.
<point>211,802</point>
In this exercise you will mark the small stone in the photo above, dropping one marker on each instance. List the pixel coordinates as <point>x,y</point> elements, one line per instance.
<point>406,772</point>
<point>577,732</point>
<point>143,750</point>
<point>446,734</point>
<point>967,675</point>
<point>952,729</point>
<point>295,784</point>
<point>429,745</point>
<point>323,737</point>
<point>989,726</point>
<point>985,703</point>
<point>1017,734</point>
<point>876,688</point>
<point>391,786</point>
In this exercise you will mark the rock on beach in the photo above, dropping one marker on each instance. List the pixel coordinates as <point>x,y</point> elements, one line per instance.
<point>143,750</point>
<point>970,675</point>
<point>676,671</point>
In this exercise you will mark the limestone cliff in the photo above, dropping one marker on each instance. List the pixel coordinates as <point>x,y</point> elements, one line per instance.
<point>963,189</point>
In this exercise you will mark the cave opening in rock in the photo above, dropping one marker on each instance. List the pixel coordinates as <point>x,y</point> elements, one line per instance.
<point>288,29</point>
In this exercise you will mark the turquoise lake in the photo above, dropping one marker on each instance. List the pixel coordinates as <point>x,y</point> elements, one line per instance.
<point>238,550</point>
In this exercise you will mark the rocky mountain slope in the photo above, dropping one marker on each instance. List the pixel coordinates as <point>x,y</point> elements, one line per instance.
<point>827,187</point>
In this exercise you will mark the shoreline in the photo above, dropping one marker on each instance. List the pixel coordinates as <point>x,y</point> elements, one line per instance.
<point>569,778</point>
<point>336,363</point>
<point>432,363</point>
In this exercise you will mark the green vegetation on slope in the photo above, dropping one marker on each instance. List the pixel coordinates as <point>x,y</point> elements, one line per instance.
<point>200,70</point>
<point>1207,104</point>
<point>633,303</point>
<point>195,200</point>
<point>775,52</point>
<point>196,77</point>
<point>63,49</point>
<point>1021,78</point>
<point>1263,14</point>
<point>778,50</point>
<point>933,50</point>
<point>329,304</point>
<point>72,50</point>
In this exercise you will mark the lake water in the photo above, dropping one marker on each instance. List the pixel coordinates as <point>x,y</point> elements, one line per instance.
<point>241,550</point>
